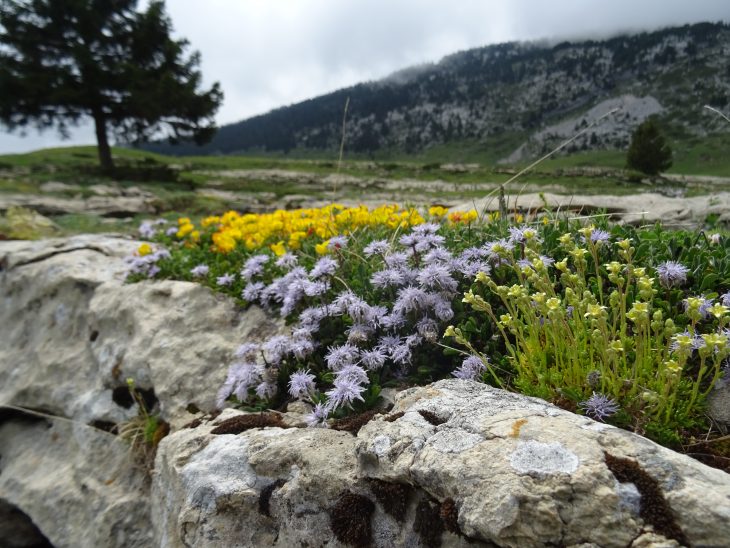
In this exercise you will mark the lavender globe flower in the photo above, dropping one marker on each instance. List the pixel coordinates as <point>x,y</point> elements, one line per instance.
<point>337,242</point>
<point>377,247</point>
<point>200,270</point>
<point>287,260</point>
<point>225,280</point>
<point>599,407</point>
<point>470,369</point>
<point>599,236</point>
<point>254,266</point>
<point>318,416</point>
<point>301,384</point>
<point>672,274</point>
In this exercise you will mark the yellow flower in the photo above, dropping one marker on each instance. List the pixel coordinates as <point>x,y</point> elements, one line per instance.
<point>183,221</point>
<point>322,248</point>
<point>437,211</point>
<point>144,249</point>
<point>278,248</point>
<point>184,230</point>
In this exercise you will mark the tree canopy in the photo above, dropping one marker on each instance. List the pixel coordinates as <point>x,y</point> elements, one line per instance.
<point>63,61</point>
<point>649,151</point>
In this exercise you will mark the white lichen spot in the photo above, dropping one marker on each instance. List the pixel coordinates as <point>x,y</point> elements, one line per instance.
<point>629,498</point>
<point>543,458</point>
<point>454,440</point>
<point>381,445</point>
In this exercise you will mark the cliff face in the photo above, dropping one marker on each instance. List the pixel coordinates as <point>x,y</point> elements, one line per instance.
<point>509,94</point>
<point>455,463</point>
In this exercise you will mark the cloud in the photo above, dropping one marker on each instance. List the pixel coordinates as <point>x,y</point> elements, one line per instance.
<point>268,54</point>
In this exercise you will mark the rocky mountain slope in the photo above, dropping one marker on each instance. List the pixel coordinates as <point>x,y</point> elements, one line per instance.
<point>521,98</point>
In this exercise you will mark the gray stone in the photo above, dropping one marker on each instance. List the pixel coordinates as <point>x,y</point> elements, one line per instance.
<point>74,332</point>
<point>78,484</point>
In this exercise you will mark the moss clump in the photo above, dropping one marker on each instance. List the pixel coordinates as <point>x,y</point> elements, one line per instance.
<point>450,516</point>
<point>241,423</point>
<point>432,418</point>
<point>393,497</point>
<point>265,496</point>
<point>654,508</point>
<point>354,423</point>
<point>428,523</point>
<point>394,417</point>
<point>350,519</point>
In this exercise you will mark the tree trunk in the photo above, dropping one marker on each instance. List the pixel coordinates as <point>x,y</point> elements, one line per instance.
<point>102,143</point>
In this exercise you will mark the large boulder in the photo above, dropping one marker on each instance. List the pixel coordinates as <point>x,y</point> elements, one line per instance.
<point>453,463</point>
<point>74,331</point>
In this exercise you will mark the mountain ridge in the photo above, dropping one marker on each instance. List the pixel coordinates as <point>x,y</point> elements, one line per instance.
<point>506,93</point>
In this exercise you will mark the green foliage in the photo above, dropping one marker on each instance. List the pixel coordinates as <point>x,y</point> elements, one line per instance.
<point>62,61</point>
<point>649,152</point>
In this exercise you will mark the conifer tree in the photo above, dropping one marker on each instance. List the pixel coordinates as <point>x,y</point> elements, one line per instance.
<point>63,61</point>
<point>649,151</point>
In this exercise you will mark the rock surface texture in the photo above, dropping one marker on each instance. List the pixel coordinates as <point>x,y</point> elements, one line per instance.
<point>454,463</point>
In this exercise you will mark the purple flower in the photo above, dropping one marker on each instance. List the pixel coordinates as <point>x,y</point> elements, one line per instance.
<point>442,307</point>
<point>672,274</point>
<point>428,241</point>
<point>247,351</point>
<point>373,359</point>
<point>390,277</point>
<point>339,356</point>
<point>377,247</point>
<point>337,242</point>
<point>225,280</point>
<point>147,229</point>
<point>252,291</point>
<point>287,260</point>
<point>428,329</point>
<point>171,231</point>
<point>437,277</point>
<point>200,270</point>
<point>396,260</point>
<point>241,377</point>
<point>353,373</point>
<point>266,390</point>
<point>599,236</point>
<point>401,354</point>
<point>318,416</point>
<point>254,266</point>
<point>437,255</point>
<point>301,345</point>
<point>276,348</point>
<point>725,299</point>
<point>301,384</point>
<point>324,267</point>
<point>408,240</point>
<point>410,299</point>
<point>470,369</point>
<point>359,333</point>
<point>345,392</point>
<point>313,289</point>
<point>426,229</point>
<point>498,248</point>
<point>599,407</point>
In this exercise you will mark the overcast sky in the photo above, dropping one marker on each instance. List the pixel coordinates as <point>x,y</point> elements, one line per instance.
<point>270,53</point>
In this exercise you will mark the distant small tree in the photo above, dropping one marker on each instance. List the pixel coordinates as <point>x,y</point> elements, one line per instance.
<point>649,151</point>
<point>61,61</point>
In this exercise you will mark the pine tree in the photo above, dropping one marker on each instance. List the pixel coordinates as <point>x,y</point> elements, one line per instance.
<point>649,151</point>
<point>62,61</point>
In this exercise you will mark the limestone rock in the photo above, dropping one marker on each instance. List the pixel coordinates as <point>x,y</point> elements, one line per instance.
<point>524,473</point>
<point>78,484</point>
<point>74,332</point>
